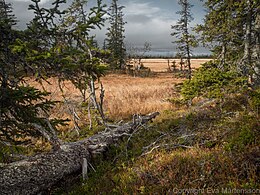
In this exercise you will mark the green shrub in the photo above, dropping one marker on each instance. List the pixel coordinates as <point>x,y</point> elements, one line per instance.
<point>211,82</point>
<point>244,134</point>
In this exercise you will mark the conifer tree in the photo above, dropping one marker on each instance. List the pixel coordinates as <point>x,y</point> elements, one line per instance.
<point>23,109</point>
<point>256,49</point>
<point>249,63</point>
<point>115,35</point>
<point>45,49</point>
<point>223,30</point>
<point>82,66</point>
<point>231,28</point>
<point>76,40</point>
<point>185,40</point>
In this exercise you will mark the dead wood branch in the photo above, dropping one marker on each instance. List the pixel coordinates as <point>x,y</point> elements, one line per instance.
<point>167,147</point>
<point>50,136</point>
<point>39,173</point>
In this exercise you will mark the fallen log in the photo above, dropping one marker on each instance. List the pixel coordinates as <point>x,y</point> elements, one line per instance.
<point>39,173</point>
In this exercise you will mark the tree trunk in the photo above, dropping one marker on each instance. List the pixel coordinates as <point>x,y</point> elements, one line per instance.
<point>39,173</point>
<point>246,62</point>
<point>222,57</point>
<point>188,62</point>
<point>256,52</point>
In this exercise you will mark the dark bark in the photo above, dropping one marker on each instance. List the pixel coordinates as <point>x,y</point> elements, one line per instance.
<point>39,173</point>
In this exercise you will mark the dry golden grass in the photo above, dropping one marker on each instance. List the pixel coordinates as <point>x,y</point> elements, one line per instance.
<point>127,95</point>
<point>124,95</point>
<point>161,65</point>
<point>63,109</point>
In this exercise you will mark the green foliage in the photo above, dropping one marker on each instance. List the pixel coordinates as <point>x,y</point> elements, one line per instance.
<point>7,18</point>
<point>243,136</point>
<point>178,102</point>
<point>65,48</point>
<point>207,163</point>
<point>228,29</point>
<point>81,60</point>
<point>26,107</point>
<point>115,36</point>
<point>185,40</point>
<point>7,150</point>
<point>211,82</point>
<point>21,106</point>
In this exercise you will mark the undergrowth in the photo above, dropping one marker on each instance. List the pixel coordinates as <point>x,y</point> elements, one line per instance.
<point>213,146</point>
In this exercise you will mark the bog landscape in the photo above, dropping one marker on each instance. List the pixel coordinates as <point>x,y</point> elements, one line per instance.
<point>80,118</point>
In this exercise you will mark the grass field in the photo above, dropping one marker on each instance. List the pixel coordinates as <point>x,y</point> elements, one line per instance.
<point>127,95</point>
<point>124,95</point>
<point>161,65</point>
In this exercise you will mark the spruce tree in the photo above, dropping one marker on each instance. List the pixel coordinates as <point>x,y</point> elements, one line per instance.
<point>249,63</point>
<point>256,49</point>
<point>231,29</point>
<point>23,109</point>
<point>222,30</point>
<point>80,65</point>
<point>185,40</point>
<point>115,35</point>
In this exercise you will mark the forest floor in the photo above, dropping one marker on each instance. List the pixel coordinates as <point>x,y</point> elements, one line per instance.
<point>208,147</point>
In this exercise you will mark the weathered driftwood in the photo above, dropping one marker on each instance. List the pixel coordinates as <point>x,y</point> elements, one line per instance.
<point>39,173</point>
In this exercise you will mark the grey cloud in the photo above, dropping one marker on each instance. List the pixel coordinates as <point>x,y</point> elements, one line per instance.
<point>147,20</point>
<point>137,18</point>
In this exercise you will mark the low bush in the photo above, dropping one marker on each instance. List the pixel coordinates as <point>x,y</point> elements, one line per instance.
<point>211,82</point>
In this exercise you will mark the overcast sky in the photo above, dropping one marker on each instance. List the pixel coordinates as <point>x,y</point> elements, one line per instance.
<point>147,20</point>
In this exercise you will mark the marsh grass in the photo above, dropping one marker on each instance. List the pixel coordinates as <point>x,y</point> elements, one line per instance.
<point>124,96</point>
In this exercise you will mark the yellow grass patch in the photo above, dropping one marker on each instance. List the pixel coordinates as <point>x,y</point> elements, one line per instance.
<point>127,95</point>
<point>124,95</point>
<point>161,65</point>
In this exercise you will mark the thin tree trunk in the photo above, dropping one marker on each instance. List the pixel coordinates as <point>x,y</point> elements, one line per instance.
<point>246,62</point>
<point>222,57</point>
<point>93,96</point>
<point>256,52</point>
<point>188,61</point>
